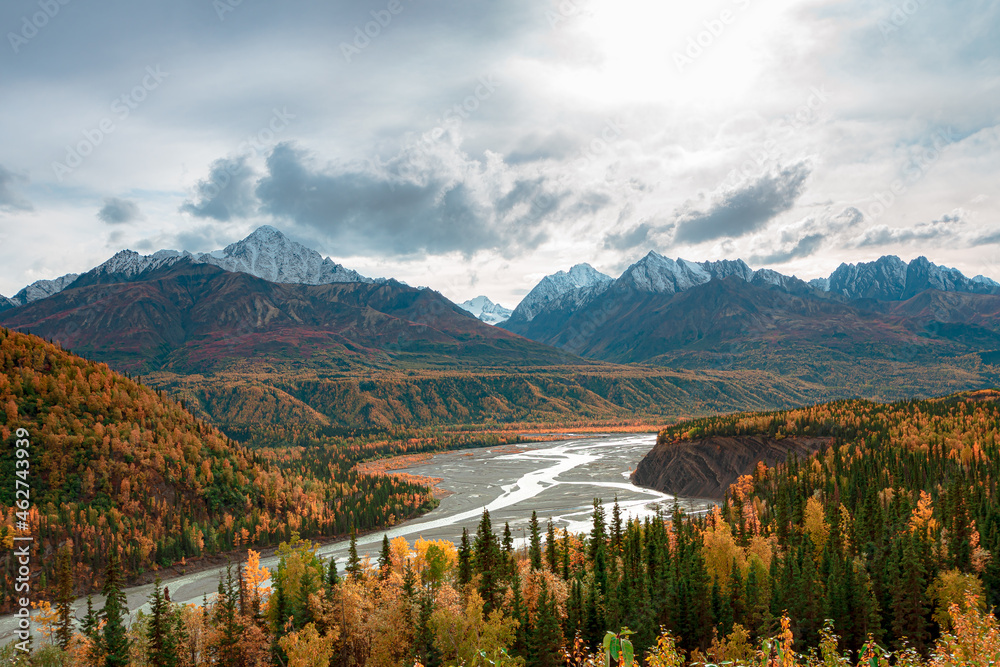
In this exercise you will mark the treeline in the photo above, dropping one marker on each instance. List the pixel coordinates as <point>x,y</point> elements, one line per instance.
<point>485,602</point>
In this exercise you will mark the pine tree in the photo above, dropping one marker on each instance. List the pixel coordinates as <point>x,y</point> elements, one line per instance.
<point>551,556</point>
<point>91,630</point>
<point>353,562</point>
<point>487,555</point>
<point>114,640</point>
<point>161,632</point>
<point>226,650</point>
<point>331,575</point>
<point>535,542</point>
<point>64,597</point>
<point>464,559</point>
<point>384,559</point>
<point>546,637</point>
<point>616,528</point>
<point>510,563</point>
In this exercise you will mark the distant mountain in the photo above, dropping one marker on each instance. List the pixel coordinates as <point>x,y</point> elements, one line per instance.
<point>571,288</point>
<point>266,253</point>
<point>883,329</point>
<point>486,310</point>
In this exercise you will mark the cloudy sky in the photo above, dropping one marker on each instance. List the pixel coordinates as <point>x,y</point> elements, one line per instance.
<point>477,145</point>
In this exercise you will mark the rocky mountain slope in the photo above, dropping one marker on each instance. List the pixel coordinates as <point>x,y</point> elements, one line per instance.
<point>706,467</point>
<point>485,310</point>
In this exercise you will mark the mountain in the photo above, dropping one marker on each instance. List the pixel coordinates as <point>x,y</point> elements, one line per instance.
<point>723,315</point>
<point>185,316</point>
<point>574,287</point>
<point>266,253</point>
<point>487,311</point>
<point>891,279</point>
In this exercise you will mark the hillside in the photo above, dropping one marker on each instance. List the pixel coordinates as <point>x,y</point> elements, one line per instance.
<point>933,343</point>
<point>118,466</point>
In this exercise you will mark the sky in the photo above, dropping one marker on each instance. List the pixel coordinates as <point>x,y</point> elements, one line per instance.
<point>475,146</point>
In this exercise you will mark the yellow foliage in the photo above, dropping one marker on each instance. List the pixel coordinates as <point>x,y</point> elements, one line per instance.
<point>307,648</point>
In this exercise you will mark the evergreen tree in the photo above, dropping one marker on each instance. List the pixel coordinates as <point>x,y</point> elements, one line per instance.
<point>64,597</point>
<point>424,635</point>
<point>487,556</point>
<point>616,528</point>
<point>551,556</point>
<point>464,559</point>
<point>910,595</point>
<point>546,637</point>
<point>91,630</point>
<point>225,651</point>
<point>385,558</point>
<point>331,575</point>
<point>353,562</point>
<point>510,563</point>
<point>598,534</point>
<point>114,640</point>
<point>161,633</point>
<point>565,555</point>
<point>535,541</point>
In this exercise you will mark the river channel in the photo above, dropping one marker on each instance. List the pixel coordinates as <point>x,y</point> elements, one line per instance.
<point>559,480</point>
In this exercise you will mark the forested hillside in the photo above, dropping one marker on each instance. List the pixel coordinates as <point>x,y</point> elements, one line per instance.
<point>117,467</point>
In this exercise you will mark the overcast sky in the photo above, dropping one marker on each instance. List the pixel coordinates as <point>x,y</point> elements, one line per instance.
<point>477,145</point>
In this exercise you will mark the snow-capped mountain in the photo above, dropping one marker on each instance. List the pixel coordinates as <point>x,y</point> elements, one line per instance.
<point>579,284</point>
<point>269,254</point>
<point>891,279</point>
<point>657,274</point>
<point>487,311</point>
<point>266,253</point>
<point>39,290</point>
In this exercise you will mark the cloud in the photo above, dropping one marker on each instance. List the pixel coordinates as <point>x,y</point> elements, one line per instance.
<point>227,193</point>
<point>805,246</point>
<point>118,211</point>
<point>9,199</point>
<point>881,235</point>
<point>743,210</point>
<point>430,198</point>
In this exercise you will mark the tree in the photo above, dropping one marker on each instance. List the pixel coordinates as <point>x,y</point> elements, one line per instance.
<point>464,559</point>
<point>535,548</point>
<point>385,558</point>
<point>547,636</point>
<point>353,562</point>
<point>225,650</point>
<point>487,553</point>
<point>64,597</point>
<point>551,554</point>
<point>161,631</point>
<point>114,641</point>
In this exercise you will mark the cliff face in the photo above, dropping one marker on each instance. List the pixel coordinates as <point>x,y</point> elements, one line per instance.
<point>705,468</point>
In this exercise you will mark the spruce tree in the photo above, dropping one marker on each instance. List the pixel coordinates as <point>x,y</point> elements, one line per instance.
<point>384,558</point>
<point>226,651</point>
<point>331,575</point>
<point>114,640</point>
<point>487,555</point>
<point>551,557</point>
<point>546,636</point>
<point>535,541</point>
<point>616,528</point>
<point>464,559</point>
<point>161,633</point>
<point>91,630</point>
<point>353,562</point>
<point>64,597</point>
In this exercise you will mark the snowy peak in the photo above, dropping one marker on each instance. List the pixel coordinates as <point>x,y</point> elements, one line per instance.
<point>580,283</point>
<point>485,310</point>
<point>656,274</point>
<point>890,278</point>
<point>266,254</point>
<point>885,278</point>
<point>269,254</point>
<point>41,289</point>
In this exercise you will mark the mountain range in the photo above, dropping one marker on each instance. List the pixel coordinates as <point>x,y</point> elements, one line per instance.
<point>269,329</point>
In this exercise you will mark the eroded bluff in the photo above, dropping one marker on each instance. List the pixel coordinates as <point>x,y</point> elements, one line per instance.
<point>705,468</point>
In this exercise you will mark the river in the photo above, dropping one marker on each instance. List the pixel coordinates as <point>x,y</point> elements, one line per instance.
<point>559,480</point>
